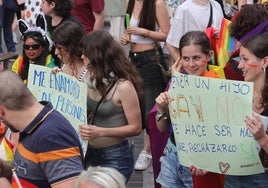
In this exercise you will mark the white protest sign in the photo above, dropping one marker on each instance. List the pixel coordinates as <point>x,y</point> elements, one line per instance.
<point>208,122</point>
<point>65,92</point>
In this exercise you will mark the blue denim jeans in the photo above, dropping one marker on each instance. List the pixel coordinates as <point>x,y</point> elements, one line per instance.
<point>118,156</point>
<point>6,20</point>
<point>153,83</point>
<point>172,173</point>
<point>251,181</point>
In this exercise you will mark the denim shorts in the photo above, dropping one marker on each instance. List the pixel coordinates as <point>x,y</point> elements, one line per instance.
<point>172,174</point>
<point>251,181</point>
<point>118,156</point>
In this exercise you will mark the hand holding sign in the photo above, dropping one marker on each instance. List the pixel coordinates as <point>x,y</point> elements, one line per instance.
<point>65,92</point>
<point>257,125</point>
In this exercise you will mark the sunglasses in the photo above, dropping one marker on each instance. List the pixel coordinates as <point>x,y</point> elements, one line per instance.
<point>33,46</point>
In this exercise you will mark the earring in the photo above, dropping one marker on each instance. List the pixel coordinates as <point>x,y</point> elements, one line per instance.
<point>264,70</point>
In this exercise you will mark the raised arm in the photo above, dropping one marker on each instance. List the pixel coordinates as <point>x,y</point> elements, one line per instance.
<point>162,116</point>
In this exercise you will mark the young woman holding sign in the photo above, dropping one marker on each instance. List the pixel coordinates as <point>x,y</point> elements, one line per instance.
<point>253,64</point>
<point>195,51</point>
<point>67,39</point>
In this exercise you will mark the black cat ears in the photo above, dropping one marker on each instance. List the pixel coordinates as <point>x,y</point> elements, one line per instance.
<point>41,27</point>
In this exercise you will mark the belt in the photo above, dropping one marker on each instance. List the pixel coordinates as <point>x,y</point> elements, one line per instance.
<point>142,53</point>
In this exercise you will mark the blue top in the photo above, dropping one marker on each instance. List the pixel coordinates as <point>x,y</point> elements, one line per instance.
<point>49,149</point>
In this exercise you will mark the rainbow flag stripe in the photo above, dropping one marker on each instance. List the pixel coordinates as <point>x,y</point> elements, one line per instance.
<point>226,44</point>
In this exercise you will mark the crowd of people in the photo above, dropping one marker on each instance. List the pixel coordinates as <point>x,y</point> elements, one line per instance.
<point>124,70</point>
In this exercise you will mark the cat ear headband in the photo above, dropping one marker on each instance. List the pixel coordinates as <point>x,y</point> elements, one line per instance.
<point>41,27</point>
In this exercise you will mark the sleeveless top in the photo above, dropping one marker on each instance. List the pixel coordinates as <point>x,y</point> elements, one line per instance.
<point>108,114</point>
<point>138,38</point>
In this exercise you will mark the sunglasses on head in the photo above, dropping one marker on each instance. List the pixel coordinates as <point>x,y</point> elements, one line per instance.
<point>33,46</point>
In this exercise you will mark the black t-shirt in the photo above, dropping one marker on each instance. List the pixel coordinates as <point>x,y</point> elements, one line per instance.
<point>69,17</point>
<point>265,112</point>
<point>51,29</point>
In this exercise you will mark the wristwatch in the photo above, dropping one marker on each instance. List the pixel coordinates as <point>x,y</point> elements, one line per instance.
<point>160,115</point>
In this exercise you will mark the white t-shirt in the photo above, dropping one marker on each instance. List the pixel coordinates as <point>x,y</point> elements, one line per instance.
<point>192,17</point>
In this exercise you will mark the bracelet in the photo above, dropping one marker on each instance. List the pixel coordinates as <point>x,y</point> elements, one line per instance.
<point>160,115</point>
<point>161,112</point>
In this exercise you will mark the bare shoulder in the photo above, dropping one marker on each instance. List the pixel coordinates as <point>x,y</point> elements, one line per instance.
<point>159,3</point>
<point>125,90</point>
<point>125,85</point>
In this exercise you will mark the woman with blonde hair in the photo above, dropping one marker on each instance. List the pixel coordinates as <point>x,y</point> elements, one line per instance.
<point>100,177</point>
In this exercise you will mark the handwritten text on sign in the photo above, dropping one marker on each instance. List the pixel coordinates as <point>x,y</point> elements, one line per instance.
<point>66,93</point>
<point>208,121</point>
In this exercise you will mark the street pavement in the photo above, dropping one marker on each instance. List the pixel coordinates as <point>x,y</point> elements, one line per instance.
<point>140,179</point>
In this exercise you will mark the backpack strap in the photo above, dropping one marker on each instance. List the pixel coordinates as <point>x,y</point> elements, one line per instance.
<point>210,16</point>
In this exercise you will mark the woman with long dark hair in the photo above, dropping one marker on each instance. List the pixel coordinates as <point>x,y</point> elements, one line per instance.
<point>35,50</point>
<point>149,24</point>
<point>253,64</point>
<point>67,41</point>
<point>113,89</point>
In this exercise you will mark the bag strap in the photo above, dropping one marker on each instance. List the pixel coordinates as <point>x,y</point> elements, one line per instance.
<point>210,16</point>
<point>102,98</point>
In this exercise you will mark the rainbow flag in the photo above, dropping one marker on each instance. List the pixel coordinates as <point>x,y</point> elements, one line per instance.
<point>6,150</point>
<point>223,47</point>
<point>22,182</point>
<point>226,44</point>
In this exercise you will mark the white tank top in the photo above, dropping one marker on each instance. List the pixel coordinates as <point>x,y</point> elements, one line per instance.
<point>138,38</point>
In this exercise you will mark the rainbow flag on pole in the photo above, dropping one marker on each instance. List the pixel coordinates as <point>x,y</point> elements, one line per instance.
<point>226,44</point>
<point>223,47</point>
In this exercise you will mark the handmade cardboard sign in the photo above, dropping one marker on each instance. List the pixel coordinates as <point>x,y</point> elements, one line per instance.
<point>65,92</point>
<point>208,122</point>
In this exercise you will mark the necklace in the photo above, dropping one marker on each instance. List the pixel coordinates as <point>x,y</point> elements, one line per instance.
<point>83,73</point>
